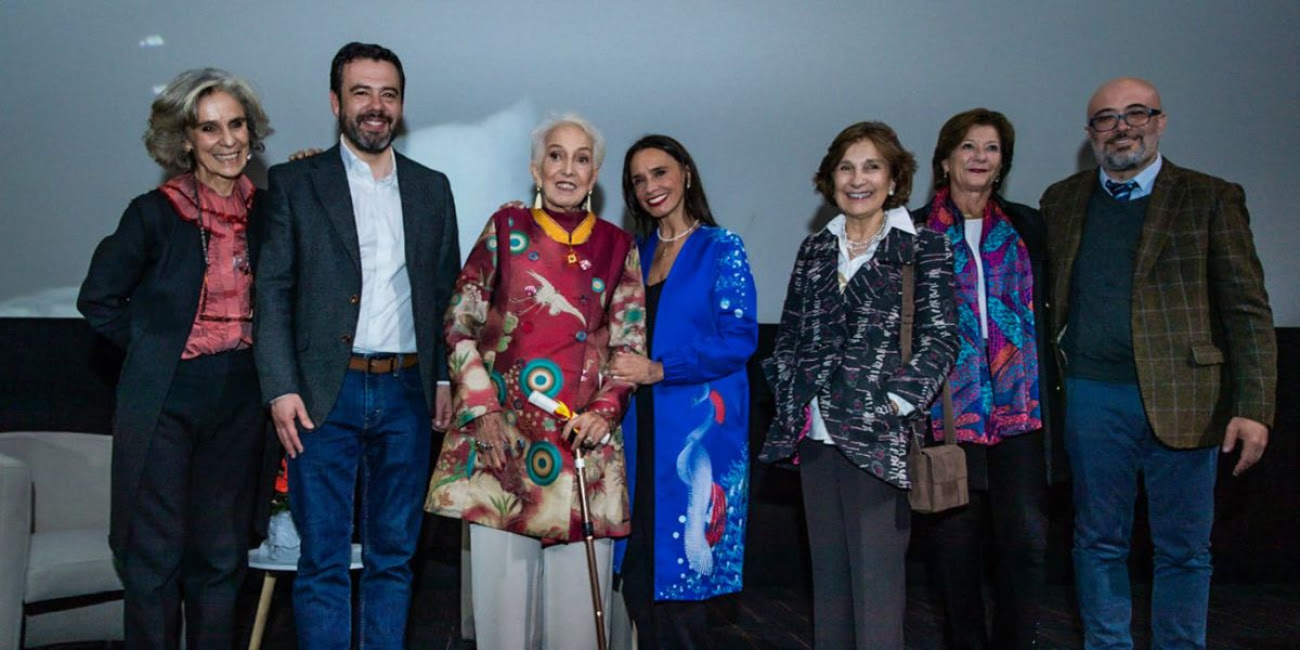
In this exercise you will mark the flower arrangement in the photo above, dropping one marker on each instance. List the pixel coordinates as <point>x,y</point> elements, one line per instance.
<point>282,540</point>
<point>280,498</point>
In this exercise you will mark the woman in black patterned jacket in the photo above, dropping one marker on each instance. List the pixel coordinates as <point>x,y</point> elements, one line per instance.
<point>844,397</point>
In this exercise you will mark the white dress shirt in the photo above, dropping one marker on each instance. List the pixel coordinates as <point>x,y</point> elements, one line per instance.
<point>974,231</point>
<point>386,322</point>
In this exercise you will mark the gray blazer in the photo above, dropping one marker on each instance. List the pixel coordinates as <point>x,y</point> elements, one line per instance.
<point>309,278</point>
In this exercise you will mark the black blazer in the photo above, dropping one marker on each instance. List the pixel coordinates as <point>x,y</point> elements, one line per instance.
<point>309,279</point>
<point>1029,223</point>
<point>141,293</point>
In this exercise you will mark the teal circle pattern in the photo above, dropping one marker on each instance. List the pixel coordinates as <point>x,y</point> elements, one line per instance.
<point>543,376</point>
<point>543,463</point>
<point>597,285</point>
<point>518,242</point>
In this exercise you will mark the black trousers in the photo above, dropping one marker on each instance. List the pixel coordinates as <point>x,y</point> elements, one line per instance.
<point>858,529</point>
<point>666,624</point>
<point>1005,523</point>
<point>189,535</point>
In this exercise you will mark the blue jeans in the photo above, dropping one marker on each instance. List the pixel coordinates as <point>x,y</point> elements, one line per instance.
<point>1110,445</point>
<point>379,428</point>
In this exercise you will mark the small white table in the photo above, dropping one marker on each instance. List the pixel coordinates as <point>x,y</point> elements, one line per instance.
<point>260,558</point>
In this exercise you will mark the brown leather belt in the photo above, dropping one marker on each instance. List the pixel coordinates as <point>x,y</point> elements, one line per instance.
<point>381,365</point>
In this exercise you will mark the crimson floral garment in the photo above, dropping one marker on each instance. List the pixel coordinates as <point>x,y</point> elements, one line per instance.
<point>523,318</point>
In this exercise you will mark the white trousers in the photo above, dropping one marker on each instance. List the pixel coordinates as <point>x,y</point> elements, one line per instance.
<point>530,598</point>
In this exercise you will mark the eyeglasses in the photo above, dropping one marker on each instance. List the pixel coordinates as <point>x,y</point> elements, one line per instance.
<point>1136,116</point>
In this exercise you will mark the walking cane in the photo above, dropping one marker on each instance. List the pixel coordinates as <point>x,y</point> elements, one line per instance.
<point>561,410</point>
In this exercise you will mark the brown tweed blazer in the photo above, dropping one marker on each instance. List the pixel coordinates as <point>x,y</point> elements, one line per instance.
<point>1203,337</point>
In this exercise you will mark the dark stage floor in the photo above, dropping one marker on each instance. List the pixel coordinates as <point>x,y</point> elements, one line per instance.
<point>1242,617</point>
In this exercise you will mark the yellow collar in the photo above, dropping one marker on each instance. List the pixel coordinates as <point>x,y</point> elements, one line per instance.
<point>576,237</point>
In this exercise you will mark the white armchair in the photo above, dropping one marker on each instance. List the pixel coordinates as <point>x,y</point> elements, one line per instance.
<point>57,582</point>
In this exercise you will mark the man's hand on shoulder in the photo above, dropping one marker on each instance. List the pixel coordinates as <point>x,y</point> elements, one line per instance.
<point>1254,438</point>
<point>288,412</point>
<point>304,153</point>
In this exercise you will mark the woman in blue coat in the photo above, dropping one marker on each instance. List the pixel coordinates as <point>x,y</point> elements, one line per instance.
<point>686,437</point>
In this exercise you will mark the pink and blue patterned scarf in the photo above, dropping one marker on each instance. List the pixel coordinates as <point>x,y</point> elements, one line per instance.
<point>994,388</point>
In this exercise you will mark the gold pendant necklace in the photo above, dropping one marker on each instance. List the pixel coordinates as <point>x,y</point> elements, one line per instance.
<point>577,237</point>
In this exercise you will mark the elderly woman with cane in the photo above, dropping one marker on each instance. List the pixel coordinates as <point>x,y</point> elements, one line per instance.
<point>546,298</point>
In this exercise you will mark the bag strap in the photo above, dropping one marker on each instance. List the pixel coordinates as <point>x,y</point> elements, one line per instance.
<point>905,346</point>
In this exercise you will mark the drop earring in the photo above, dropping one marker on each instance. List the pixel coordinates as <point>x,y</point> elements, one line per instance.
<point>586,205</point>
<point>537,199</point>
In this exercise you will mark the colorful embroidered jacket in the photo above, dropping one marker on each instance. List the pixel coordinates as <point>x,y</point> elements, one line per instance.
<point>523,318</point>
<point>843,347</point>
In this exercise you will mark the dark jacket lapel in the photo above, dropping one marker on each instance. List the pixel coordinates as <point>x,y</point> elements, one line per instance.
<point>895,250</point>
<point>823,269</point>
<point>255,232</point>
<point>415,207</point>
<point>1065,234</point>
<point>330,181</point>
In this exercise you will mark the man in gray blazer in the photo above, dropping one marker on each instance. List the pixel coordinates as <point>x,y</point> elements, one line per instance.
<point>357,266</point>
<point>1167,338</point>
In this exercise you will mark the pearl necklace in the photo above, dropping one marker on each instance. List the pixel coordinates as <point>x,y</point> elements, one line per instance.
<point>660,233</point>
<point>857,248</point>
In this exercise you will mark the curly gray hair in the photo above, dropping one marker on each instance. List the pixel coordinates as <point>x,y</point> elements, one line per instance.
<point>177,106</point>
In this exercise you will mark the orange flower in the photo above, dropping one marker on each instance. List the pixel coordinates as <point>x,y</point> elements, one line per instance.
<point>282,478</point>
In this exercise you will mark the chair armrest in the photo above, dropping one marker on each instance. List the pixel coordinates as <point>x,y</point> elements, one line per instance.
<point>70,475</point>
<point>15,540</point>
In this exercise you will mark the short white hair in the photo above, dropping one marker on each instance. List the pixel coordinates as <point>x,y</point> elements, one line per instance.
<point>555,120</point>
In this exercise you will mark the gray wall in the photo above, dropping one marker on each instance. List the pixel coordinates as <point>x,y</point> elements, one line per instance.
<point>755,89</point>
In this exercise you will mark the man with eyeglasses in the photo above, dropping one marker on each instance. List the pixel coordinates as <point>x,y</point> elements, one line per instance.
<point>1166,337</point>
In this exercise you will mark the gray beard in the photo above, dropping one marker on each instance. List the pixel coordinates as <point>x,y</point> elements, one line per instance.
<point>1121,162</point>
